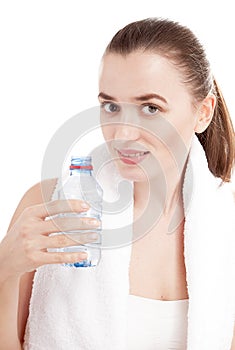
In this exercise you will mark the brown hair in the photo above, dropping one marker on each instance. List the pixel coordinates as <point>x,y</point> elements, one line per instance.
<point>177,42</point>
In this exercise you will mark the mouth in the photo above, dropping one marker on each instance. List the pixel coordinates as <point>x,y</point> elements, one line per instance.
<point>129,156</point>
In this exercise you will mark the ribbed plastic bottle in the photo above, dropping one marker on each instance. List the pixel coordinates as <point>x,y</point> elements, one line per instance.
<point>81,184</point>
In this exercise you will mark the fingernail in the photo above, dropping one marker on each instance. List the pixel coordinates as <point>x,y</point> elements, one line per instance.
<point>84,205</point>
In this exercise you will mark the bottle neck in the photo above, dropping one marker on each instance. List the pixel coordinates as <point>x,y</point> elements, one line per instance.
<point>80,172</point>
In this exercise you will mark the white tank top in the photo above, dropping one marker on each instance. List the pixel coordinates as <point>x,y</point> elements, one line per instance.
<point>156,324</point>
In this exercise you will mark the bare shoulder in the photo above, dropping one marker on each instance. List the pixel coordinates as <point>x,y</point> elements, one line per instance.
<point>37,194</point>
<point>41,191</point>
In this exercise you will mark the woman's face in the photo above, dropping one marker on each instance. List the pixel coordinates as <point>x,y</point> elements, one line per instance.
<point>147,114</point>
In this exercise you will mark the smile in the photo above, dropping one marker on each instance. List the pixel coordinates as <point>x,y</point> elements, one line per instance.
<point>132,156</point>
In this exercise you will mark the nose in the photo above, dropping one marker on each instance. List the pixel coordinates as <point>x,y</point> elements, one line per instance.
<point>127,128</point>
<point>126,131</point>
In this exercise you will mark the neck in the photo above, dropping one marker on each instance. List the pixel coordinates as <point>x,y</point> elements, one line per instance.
<point>161,197</point>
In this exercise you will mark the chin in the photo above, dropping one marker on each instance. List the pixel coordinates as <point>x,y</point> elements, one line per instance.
<point>133,172</point>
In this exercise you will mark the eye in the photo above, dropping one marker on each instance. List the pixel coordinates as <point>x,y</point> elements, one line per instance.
<point>110,107</point>
<point>150,109</point>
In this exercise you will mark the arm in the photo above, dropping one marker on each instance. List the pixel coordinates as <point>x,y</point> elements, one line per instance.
<point>9,289</point>
<point>233,342</point>
<point>15,289</point>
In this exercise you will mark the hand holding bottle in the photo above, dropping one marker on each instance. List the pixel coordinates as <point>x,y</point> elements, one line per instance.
<point>24,248</point>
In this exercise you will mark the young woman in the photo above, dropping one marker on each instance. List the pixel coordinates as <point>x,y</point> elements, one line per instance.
<point>156,92</point>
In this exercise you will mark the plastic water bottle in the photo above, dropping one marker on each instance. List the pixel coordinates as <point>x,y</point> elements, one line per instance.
<point>81,184</point>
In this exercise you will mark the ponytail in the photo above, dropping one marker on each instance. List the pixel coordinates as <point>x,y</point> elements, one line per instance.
<point>218,140</point>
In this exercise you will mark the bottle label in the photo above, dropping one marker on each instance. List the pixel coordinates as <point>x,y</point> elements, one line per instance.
<point>89,167</point>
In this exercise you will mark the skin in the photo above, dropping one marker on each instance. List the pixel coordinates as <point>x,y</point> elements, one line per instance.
<point>153,125</point>
<point>157,125</point>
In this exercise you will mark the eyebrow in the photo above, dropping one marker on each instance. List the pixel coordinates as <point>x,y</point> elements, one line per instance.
<point>138,98</point>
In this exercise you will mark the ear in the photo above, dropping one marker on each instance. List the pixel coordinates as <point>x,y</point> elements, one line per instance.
<point>205,113</point>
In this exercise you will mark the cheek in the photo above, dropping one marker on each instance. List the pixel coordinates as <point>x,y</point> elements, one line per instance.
<point>169,139</point>
<point>175,128</point>
<point>184,120</point>
<point>185,128</point>
<point>108,132</point>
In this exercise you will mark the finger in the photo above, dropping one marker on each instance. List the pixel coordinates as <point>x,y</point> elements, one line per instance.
<point>55,207</point>
<point>67,240</point>
<point>58,258</point>
<point>65,224</point>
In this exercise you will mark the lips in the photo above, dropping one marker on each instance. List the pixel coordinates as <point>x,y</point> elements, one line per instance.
<point>132,156</point>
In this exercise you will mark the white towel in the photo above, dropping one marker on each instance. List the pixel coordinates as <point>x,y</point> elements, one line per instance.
<point>86,308</point>
<point>209,256</point>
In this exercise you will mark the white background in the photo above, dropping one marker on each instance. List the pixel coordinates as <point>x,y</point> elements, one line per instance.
<point>49,60</point>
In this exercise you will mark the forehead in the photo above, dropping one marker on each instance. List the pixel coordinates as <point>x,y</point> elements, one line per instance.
<point>126,76</point>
